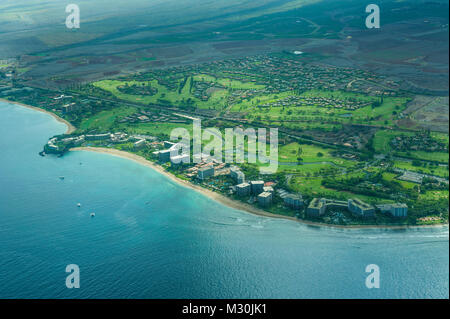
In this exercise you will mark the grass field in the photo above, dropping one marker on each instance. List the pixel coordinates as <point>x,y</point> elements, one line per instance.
<point>322,113</point>
<point>434,195</point>
<point>229,83</point>
<point>441,171</point>
<point>381,144</point>
<point>163,92</point>
<point>154,129</point>
<point>428,156</point>
<point>217,97</point>
<point>383,137</point>
<point>164,95</point>
<point>311,170</point>
<point>310,154</point>
<point>315,161</point>
<point>314,187</point>
<point>317,109</point>
<point>250,104</point>
<point>105,120</point>
<point>392,177</point>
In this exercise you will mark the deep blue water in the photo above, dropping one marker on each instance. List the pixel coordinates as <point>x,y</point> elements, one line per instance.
<point>152,238</point>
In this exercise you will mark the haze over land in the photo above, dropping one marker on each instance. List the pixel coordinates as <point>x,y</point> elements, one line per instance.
<point>412,43</point>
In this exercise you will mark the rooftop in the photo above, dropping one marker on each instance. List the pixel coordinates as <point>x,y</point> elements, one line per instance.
<point>316,203</point>
<point>206,168</point>
<point>361,204</point>
<point>294,196</point>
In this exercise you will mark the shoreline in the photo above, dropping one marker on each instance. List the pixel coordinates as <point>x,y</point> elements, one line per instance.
<point>70,127</point>
<point>206,192</point>
<point>233,203</point>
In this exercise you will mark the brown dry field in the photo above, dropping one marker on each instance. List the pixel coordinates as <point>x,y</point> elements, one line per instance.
<point>427,112</point>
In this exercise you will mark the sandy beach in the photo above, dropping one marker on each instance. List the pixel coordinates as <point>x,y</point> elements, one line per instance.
<point>230,202</point>
<point>70,127</point>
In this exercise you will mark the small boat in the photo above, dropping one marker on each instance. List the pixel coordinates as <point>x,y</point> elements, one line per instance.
<point>61,177</point>
<point>92,214</point>
<point>79,205</point>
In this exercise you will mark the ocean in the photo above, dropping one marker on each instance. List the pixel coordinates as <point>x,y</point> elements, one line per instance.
<point>153,238</point>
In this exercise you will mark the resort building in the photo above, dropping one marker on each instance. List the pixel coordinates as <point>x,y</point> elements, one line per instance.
<point>97,137</point>
<point>360,208</point>
<point>140,144</point>
<point>265,199</point>
<point>51,146</point>
<point>316,207</point>
<point>268,189</point>
<point>180,159</point>
<point>69,108</point>
<point>75,141</point>
<point>293,201</point>
<point>282,193</point>
<point>396,210</point>
<point>172,153</point>
<point>205,172</point>
<point>164,156</point>
<point>243,189</point>
<point>257,187</point>
<point>237,175</point>
<point>168,144</point>
<point>120,137</point>
<point>336,204</point>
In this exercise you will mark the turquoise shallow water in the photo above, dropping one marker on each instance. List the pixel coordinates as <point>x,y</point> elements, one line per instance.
<point>152,238</point>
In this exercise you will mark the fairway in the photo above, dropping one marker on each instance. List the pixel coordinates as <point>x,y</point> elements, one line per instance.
<point>105,120</point>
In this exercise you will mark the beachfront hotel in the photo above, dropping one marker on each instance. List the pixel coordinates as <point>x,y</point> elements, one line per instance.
<point>265,199</point>
<point>360,208</point>
<point>243,189</point>
<point>237,175</point>
<point>205,172</point>
<point>257,187</point>
<point>180,159</point>
<point>396,210</point>
<point>164,156</point>
<point>139,144</point>
<point>316,207</point>
<point>294,201</point>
